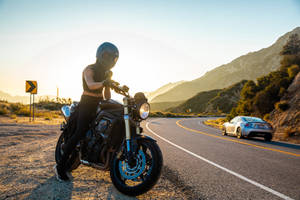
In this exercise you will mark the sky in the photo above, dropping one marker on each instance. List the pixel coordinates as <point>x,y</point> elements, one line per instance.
<point>159,41</point>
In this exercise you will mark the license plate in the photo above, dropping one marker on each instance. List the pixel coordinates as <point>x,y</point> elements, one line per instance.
<point>260,126</point>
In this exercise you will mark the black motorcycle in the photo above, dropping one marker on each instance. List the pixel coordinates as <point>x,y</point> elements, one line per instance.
<point>115,142</point>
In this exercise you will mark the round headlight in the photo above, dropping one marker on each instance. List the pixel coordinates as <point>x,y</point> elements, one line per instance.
<point>144,110</point>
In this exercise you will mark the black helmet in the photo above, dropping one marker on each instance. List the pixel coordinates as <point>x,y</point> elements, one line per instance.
<point>107,55</point>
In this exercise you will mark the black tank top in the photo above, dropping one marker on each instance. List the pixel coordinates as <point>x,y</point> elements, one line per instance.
<point>98,77</point>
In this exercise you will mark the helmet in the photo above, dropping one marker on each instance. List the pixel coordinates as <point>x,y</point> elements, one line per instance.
<point>107,55</point>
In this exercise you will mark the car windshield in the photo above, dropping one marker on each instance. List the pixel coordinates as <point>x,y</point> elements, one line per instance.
<point>252,119</point>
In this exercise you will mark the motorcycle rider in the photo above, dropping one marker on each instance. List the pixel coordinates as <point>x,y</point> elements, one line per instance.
<point>94,90</point>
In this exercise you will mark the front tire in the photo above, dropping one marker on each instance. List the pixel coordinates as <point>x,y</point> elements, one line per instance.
<point>73,160</point>
<point>224,131</point>
<point>139,179</point>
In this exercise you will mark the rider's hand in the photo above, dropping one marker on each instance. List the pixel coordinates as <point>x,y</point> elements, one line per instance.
<point>107,83</point>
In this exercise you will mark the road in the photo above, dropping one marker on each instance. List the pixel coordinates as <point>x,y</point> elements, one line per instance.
<point>208,165</point>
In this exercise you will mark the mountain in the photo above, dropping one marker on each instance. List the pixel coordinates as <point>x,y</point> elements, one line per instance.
<point>163,106</point>
<point>246,67</point>
<point>7,97</point>
<point>213,101</point>
<point>161,90</point>
<point>21,99</point>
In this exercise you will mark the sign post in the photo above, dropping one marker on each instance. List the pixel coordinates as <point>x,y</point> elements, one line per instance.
<point>31,87</point>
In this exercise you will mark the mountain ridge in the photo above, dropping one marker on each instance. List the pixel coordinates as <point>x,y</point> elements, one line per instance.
<point>21,99</point>
<point>249,66</point>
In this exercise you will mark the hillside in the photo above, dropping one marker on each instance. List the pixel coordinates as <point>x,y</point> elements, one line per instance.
<point>287,122</point>
<point>161,90</point>
<point>196,104</point>
<point>7,97</point>
<point>246,67</point>
<point>163,106</point>
<point>214,101</point>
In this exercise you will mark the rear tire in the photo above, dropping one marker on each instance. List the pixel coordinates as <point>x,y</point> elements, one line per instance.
<point>239,133</point>
<point>73,160</point>
<point>146,176</point>
<point>268,137</point>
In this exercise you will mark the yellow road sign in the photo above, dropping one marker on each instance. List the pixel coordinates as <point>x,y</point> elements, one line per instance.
<point>31,87</point>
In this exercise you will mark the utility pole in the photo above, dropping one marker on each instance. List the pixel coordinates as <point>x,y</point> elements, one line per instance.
<point>57,93</point>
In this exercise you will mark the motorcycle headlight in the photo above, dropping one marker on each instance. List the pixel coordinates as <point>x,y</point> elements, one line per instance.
<point>144,110</point>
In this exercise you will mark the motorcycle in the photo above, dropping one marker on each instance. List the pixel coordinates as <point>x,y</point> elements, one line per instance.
<point>115,142</point>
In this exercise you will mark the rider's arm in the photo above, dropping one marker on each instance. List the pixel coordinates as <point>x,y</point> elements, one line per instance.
<point>88,76</point>
<point>106,93</point>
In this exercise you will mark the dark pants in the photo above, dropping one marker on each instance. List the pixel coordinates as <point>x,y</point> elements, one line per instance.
<point>87,112</point>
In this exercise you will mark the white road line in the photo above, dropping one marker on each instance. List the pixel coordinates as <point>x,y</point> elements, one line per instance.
<point>223,168</point>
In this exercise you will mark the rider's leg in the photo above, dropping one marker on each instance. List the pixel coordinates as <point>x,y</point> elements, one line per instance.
<point>87,111</point>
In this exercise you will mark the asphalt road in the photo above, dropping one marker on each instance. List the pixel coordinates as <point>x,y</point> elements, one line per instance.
<point>211,166</point>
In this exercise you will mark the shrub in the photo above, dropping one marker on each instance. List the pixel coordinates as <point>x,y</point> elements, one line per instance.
<point>24,111</point>
<point>3,110</point>
<point>249,90</point>
<point>48,118</point>
<point>282,106</point>
<point>15,107</point>
<point>13,116</point>
<point>293,71</point>
<point>267,117</point>
<point>289,132</point>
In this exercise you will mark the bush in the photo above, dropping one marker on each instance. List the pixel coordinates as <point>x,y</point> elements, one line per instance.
<point>293,71</point>
<point>267,117</point>
<point>15,107</point>
<point>289,132</point>
<point>24,111</point>
<point>282,106</point>
<point>3,110</point>
<point>53,104</point>
<point>13,116</point>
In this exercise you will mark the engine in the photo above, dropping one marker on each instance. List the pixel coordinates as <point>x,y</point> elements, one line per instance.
<point>95,144</point>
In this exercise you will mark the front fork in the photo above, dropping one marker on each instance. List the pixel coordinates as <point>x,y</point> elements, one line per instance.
<point>127,124</point>
<point>129,144</point>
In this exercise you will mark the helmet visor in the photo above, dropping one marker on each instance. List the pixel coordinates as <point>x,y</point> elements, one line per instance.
<point>109,59</point>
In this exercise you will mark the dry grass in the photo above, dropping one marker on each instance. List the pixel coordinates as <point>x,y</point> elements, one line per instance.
<point>217,123</point>
<point>20,113</point>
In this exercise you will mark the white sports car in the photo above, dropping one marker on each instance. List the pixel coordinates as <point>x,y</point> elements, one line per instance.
<point>242,126</point>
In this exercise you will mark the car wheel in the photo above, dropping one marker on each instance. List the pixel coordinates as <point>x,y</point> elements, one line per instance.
<point>239,133</point>
<point>268,137</point>
<point>224,131</point>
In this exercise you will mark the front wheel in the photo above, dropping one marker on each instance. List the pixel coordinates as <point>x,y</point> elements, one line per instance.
<point>138,178</point>
<point>224,131</point>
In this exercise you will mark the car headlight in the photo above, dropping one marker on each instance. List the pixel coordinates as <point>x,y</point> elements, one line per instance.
<point>144,110</point>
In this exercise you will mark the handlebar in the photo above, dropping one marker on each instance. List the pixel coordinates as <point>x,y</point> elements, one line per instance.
<point>123,90</point>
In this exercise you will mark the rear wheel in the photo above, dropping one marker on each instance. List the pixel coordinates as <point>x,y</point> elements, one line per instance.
<point>139,177</point>
<point>268,137</point>
<point>239,133</point>
<point>73,160</point>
